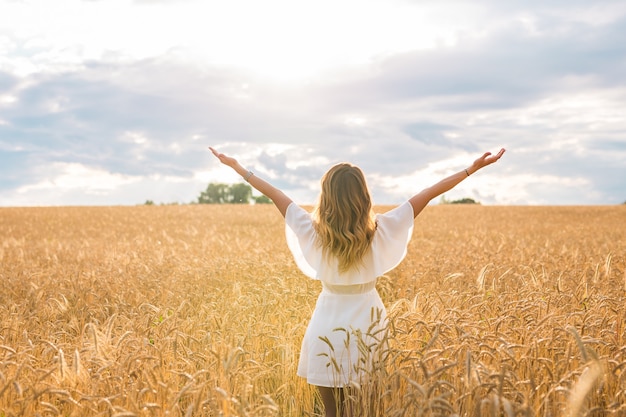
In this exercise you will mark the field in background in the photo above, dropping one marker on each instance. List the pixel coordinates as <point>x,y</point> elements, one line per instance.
<point>200,310</point>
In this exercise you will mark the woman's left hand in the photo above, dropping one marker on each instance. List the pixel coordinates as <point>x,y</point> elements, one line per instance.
<point>487,159</point>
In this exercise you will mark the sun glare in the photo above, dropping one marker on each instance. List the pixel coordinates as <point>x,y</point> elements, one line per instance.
<point>280,39</point>
<point>287,41</point>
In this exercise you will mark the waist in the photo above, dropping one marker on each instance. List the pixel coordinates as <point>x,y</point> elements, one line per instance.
<point>349,289</point>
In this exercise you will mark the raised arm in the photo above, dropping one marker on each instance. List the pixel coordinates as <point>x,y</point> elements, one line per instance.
<point>421,199</point>
<point>277,196</point>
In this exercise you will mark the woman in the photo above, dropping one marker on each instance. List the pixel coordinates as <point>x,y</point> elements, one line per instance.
<point>346,246</point>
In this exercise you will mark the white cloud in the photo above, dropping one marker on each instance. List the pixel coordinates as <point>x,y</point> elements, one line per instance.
<point>281,39</point>
<point>74,176</point>
<point>7,99</point>
<point>528,189</point>
<point>77,184</point>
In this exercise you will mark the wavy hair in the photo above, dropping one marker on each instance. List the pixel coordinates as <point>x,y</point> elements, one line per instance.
<point>344,219</point>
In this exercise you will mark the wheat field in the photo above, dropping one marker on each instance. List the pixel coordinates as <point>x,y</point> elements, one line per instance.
<point>199,310</point>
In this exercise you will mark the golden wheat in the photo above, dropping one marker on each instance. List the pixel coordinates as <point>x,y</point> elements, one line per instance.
<point>199,311</point>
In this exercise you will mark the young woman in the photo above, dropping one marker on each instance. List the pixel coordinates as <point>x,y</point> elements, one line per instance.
<point>346,246</point>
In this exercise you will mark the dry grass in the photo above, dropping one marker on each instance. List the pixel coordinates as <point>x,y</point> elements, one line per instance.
<point>200,311</point>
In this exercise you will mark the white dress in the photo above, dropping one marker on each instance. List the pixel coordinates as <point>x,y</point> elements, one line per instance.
<point>345,328</point>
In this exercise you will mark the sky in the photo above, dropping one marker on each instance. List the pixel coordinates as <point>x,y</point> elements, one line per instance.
<point>115,102</point>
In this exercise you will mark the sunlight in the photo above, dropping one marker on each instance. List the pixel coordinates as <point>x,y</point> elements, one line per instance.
<point>68,176</point>
<point>289,41</point>
<point>280,40</point>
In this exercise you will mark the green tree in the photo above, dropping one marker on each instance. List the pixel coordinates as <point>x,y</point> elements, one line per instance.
<point>262,199</point>
<point>215,193</point>
<point>465,200</point>
<point>239,193</point>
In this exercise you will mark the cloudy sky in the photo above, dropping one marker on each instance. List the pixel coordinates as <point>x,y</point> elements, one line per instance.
<point>116,101</point>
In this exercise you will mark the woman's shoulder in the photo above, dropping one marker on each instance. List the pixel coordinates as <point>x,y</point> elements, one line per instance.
<point>403,210</point>
<point>396,221</point>
<point>297,216</point>
<point>295,209</point>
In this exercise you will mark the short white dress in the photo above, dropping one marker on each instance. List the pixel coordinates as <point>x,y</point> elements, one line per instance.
<point>346,327</point>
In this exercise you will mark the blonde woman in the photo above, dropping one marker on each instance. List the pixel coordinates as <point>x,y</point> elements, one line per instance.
<point>346,246</point>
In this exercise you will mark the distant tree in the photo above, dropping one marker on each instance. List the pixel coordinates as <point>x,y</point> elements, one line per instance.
<point>217,193</point>
<point>262,199</point>
<point>466,200</point>
<point>240,193</point>
<point>149,203</point>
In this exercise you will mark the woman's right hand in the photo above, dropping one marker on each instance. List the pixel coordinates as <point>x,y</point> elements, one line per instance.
<point>226,160</point>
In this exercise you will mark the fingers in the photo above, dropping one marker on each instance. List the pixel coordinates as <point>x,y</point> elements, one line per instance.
<point>488,158</point>
<point>226,160</point>
<point>491,159</point>
<point>218,155</point>
<point>497,156</point>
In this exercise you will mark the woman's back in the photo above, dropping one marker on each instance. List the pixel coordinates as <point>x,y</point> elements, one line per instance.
<point>387,247</point>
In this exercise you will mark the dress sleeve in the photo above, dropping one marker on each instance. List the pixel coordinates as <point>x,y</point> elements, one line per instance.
<point>393,232</point>
<point>301,240</point>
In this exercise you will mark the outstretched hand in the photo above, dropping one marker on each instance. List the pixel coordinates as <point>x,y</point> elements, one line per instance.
<point>226,160</point>
<point>487,159</point>
<point>277,196</point>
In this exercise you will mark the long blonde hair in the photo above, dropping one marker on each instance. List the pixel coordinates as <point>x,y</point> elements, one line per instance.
<point>344,219</point>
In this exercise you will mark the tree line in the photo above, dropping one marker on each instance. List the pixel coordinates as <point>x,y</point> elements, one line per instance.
<point>466,200</point>
<point>218,193</point>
